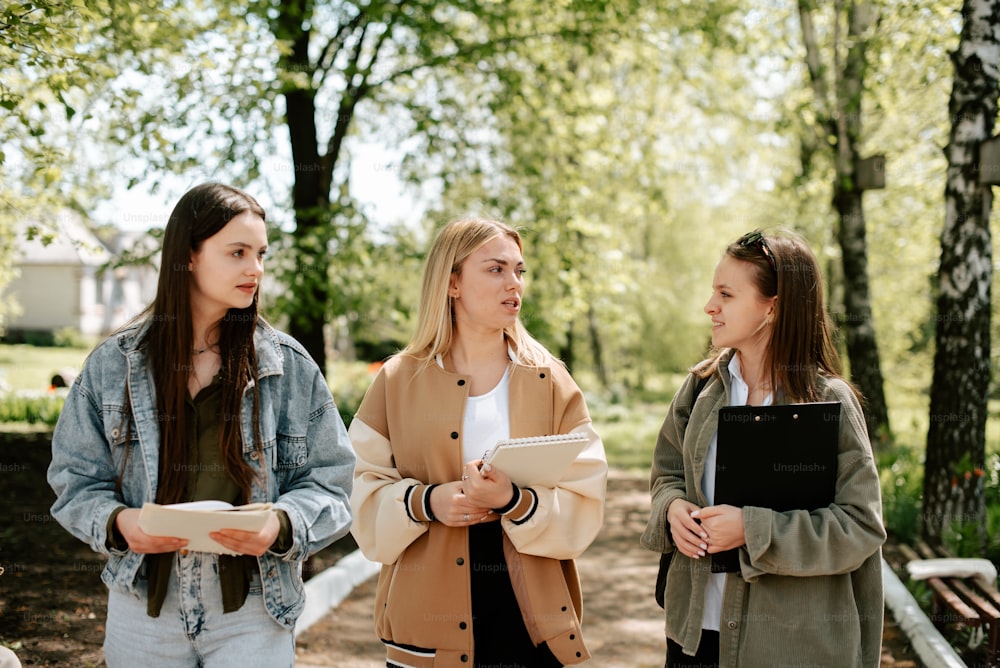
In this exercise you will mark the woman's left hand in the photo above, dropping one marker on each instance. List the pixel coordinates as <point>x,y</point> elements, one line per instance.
<point>724,526</point>
<point>486,486</point>
<point>249,542</point>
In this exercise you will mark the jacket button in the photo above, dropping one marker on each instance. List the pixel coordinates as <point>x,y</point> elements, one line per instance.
<point>270,573</point>
<point>461,382</point>
<point>541,375</point>
<point>564,608</point>
<point>462,625</point>
<point>454,434</point>
<point>464,658</point>
<point>115,432</point>
<point>572,636</point>
<point>731,624</point>
<point>460,561</point>
<point>254,455</point>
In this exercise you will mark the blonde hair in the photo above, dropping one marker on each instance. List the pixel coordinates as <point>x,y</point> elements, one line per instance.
<point>435,319</point>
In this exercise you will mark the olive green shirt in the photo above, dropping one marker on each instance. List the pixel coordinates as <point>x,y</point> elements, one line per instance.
<point>207,479</point>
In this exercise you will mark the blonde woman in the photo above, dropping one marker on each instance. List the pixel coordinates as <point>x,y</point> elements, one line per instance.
<point>477,571</point>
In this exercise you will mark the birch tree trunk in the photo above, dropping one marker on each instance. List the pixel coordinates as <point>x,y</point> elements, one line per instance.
<point>953,475</point>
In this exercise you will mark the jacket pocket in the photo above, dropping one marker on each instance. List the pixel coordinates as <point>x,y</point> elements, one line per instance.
<point>292,452</point>
<point>126,457</point>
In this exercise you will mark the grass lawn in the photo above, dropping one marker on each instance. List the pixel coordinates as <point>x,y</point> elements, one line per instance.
<point>629,434</point>
<point>629,431</point>
<point>628,426</point>
<point>30,368</point>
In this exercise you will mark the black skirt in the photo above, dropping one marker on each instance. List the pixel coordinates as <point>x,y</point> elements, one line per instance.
<point>501,639</point>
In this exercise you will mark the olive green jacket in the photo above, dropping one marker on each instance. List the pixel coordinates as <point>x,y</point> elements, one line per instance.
<point>810,588</point>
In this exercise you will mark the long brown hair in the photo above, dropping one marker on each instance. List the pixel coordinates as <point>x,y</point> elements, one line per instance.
<point>800,348</point>
<point>198,215</point>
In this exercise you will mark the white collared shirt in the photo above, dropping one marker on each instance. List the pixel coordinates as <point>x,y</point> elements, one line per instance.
<point>739,392</point>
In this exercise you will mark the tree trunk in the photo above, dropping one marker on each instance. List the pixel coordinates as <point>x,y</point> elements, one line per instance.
<point>858,327</point>
<point>839,120</point>
<point>597,347</point>
<point>314,166</point>
<point>567,352</point>
<point>308,276</point>
<point>953,474</point>
<point>311,261</point>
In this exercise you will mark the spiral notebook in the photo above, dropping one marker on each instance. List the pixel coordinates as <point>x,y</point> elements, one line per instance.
<point>536,460</point>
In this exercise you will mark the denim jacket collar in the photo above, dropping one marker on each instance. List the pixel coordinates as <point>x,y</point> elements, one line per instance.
<point>269,357</point>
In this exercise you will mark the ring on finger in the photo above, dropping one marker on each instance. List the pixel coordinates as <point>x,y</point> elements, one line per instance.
<point>466,517</point>
<point>465,476</point>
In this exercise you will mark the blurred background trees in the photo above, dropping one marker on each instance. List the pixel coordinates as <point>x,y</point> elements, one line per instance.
<point>630,141</point>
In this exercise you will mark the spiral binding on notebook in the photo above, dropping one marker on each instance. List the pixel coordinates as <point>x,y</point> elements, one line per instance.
<point>576,437</point>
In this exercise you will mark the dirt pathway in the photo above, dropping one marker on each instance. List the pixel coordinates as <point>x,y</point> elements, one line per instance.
<point>622,624</point>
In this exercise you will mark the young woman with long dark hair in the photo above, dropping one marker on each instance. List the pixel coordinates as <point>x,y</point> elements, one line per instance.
<point>199,398</point>
<point>809,588</point>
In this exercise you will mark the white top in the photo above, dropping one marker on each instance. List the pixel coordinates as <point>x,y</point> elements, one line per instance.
<point>738,394</point>
<point>487,420</point>
<point>487,416</point>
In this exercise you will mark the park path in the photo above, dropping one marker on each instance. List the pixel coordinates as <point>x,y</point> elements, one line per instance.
<point>622,624</point>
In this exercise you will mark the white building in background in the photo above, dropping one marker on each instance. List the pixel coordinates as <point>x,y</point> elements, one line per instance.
<point>127,290</point>
<point>66,283</point>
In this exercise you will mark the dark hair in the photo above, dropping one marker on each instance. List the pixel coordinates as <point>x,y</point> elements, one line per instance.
<point>800,347</point>
<point>199,214</point>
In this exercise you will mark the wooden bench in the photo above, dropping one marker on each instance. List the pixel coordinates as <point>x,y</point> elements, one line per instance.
<point>961,600</point>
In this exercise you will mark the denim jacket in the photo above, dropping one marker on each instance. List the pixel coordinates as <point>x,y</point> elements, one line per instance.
<point>308,457</point>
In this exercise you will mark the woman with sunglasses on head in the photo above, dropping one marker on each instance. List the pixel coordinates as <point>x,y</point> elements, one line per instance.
<point>808,589</point>
<point>200,399</point>
<point>478,572</point>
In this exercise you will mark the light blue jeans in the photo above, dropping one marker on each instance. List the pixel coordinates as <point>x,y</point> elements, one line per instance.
<point>192,630</point>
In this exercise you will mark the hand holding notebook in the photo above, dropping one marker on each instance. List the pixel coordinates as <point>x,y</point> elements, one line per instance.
<point>196,519</point>
<point>536,460</point>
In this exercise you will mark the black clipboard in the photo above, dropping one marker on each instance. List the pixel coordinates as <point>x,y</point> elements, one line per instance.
<point>782,457</point>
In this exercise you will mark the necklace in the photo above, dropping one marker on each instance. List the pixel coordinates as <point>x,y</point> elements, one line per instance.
<point>763,386</point>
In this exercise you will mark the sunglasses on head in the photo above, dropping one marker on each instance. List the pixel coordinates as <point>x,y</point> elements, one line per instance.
<point>756,238</point>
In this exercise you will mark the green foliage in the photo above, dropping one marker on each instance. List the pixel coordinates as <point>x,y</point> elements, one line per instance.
<point>31,408</point>
<point>921,592</point>
<point>348,383</point>
<point>70,337</point>
<point>992,501</point>
<point>901,474</point>
<point>630,141</point>
<point>629,432</point>
<point>610,196</point>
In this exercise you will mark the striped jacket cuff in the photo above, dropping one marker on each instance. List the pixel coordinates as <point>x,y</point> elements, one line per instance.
<point>521,507</point>
<point>417,501</point>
